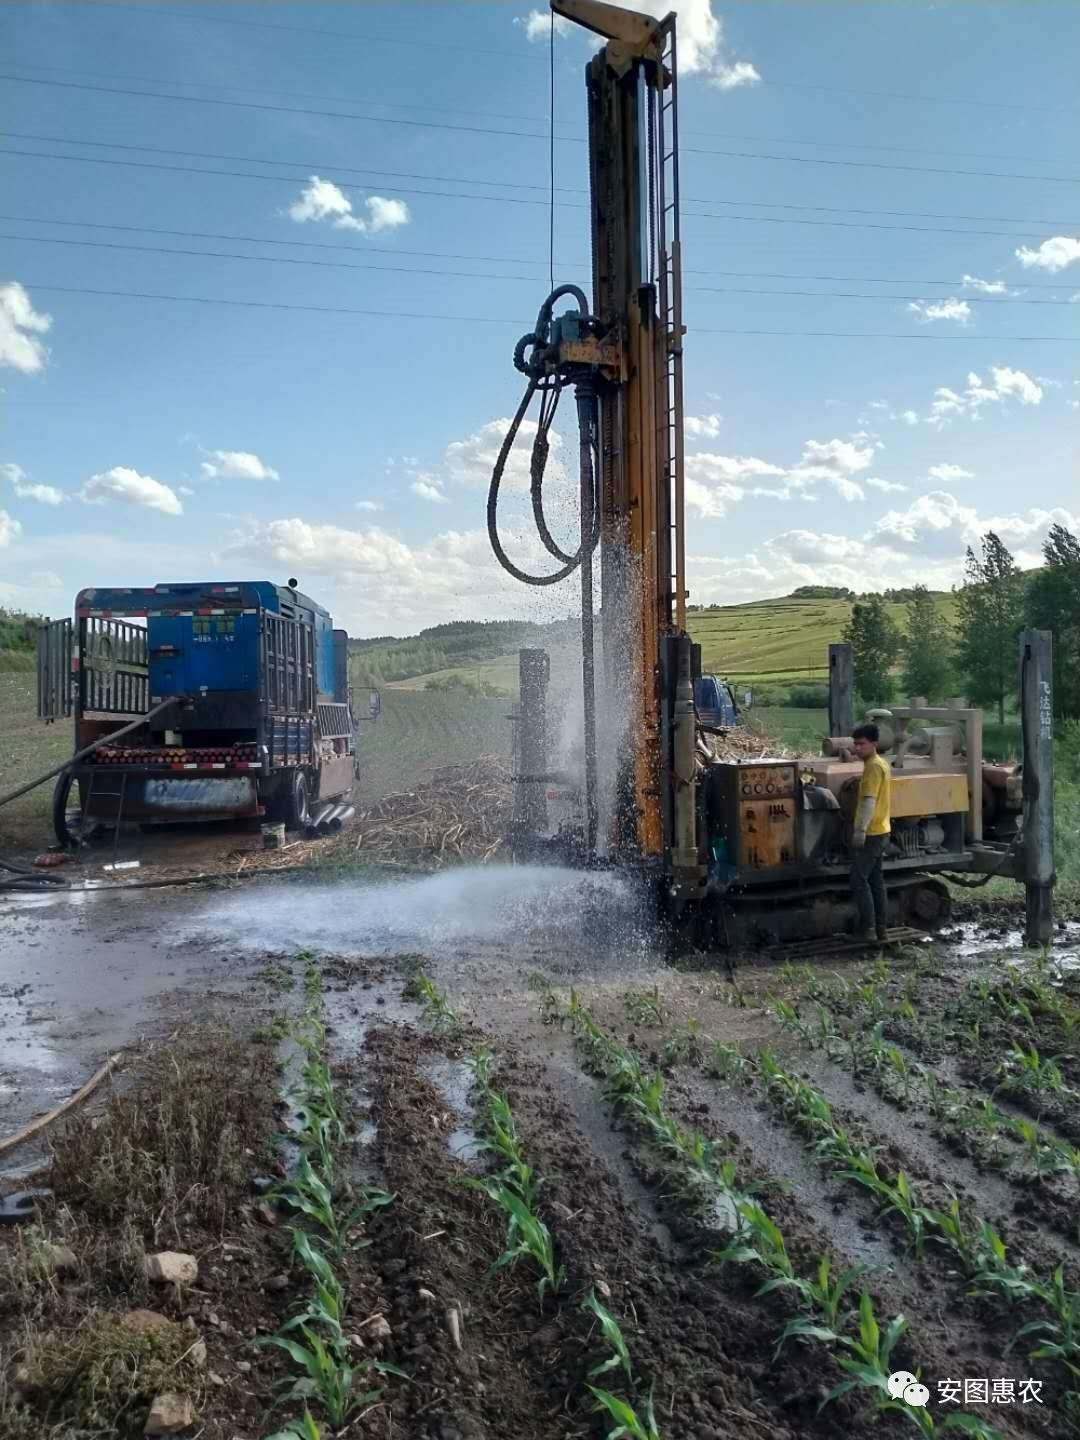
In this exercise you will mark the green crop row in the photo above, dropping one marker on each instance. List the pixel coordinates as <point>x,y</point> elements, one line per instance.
<point>862,1348</point>
<point>316,1338</point>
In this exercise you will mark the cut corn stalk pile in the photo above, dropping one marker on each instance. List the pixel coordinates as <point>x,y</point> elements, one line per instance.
<point>461,813</point>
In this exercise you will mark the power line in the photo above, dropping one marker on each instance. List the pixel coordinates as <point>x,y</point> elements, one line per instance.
<point>538,119</point>
<point>852,295</point>
<point>513,199</point>
<point>299,164</point>
<point>324,165</point>
<point>500,320</point>
<point>145,10</point>
<point>283,179</point>
<point>578,265</point>
<point>268,259</point>
<point>881,165</point>
<point>274,109</point>
<point>529,134</point>
<point>475,275</point>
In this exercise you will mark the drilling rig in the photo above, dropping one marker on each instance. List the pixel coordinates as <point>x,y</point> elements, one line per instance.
<point>750,849</point>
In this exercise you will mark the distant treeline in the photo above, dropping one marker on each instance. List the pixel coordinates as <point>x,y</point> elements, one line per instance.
<point>19,631</point>
<point>444,647</point>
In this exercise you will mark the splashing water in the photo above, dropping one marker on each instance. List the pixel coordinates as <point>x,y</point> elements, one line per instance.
<point>492,904</point>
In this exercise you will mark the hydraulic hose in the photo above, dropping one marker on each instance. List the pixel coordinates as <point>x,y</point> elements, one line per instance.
<point>528,358</point>
<point>89,749</point>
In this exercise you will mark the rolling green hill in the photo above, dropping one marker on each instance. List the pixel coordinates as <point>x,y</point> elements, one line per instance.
<point>767,643</point>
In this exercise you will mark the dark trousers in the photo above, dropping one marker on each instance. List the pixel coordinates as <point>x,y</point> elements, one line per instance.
<point>868,884</point>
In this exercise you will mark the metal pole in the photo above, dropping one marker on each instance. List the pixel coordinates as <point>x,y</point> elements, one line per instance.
<point>530,797</point>
<point>1037,720</point>
<point>587,420</point>
<point>841,691</point>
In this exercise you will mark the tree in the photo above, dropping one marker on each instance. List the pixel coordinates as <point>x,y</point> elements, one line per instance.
<point>1053,603</point>
<point>990,612</point>
<point>875,641</point>
<point>926,648</point>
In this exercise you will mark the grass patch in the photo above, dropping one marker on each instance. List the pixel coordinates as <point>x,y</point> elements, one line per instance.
<point>104,1374</point>
<point>180,1144</point>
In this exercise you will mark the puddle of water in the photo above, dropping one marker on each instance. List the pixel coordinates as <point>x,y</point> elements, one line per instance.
<point>453,1080</point>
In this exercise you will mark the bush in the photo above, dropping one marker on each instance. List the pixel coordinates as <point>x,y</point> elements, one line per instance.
<point>812,696</point>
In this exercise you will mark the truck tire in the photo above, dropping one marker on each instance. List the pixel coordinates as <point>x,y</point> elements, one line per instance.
<point>296,810</point>
<point>61,794</point>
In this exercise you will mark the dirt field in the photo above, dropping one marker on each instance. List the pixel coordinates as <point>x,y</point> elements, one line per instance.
<point>661,1111</point>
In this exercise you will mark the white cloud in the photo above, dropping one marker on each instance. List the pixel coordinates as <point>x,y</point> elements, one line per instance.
<point>471,461</point>
<point>732,77</point>
<point>43,494</point>
<point>707,466</point>
<point>123,483</point>
<point>1053,254</point>
<point>709,501</point>
<point>947,472</point>
<point>323,200</point>
<point>846,489</point>
<point>985,287</point>
<point>21,484</point>
<point>1005,383</point>
<point>427,487</point>
<point>538,24</point>
<point>702,47</point>
<point>705,427</point>
<point>885,486</point>
<point>950,309</point>
<point>369,505</point>
<point>236,465</point>
<point>821,459</point>
<point>909,417</point>
<point>20,325</point>
<point>9,528</point>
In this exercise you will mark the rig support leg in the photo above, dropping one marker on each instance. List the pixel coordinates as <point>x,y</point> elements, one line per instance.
<point>841,690</point>
<point>530,781</point>
<point>1037,718</point>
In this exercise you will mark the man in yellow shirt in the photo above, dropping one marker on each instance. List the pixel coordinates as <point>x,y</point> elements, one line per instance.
<point>870,836</point>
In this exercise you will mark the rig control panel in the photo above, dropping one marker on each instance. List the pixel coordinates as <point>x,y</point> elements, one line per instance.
<point>751,813</point>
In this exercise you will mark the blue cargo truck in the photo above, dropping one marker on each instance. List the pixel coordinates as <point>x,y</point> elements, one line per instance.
<point>198,701</point>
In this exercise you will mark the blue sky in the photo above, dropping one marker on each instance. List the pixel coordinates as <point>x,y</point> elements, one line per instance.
<point>924,159</point>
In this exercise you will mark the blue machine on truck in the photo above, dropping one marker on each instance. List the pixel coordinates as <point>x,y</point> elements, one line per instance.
<point>232,698</point>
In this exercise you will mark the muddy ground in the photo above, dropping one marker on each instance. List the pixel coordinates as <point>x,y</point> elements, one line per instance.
<point>143,972</point>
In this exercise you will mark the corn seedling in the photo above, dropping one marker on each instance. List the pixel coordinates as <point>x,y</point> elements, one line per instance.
<point>624,1419</point>
<point>516,1187</point>
<point>643,1007</point>
<point>1025,1069</point>
<point>1059,1332</point>
<point>438,1012</point>
<point>759,1241</point>
<point>823,1295</point>
<point>724,1062</point>
<point>303,1429</point>
<point>619,1359</point>
<point>684,1046</point>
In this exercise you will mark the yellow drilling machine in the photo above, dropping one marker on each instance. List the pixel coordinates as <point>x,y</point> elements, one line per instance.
<point>737,851</point>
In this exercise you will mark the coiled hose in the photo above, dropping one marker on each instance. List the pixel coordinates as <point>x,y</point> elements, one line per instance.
<point>529,359</point>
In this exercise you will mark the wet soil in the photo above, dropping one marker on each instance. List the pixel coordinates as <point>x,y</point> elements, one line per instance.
<point>80,978</point>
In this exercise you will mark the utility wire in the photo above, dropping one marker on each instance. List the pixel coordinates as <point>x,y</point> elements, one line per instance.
<point>145,11</point>
<point>579,265</point>
<point>474,275</point>
<point>192,14</point>
<point>528,134</point>
<point>530,119</point>
<point>287,179</point>
<point>46,289</point>
<point>327,165</point>
<point>551,158</point>
<point>514,199</point>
